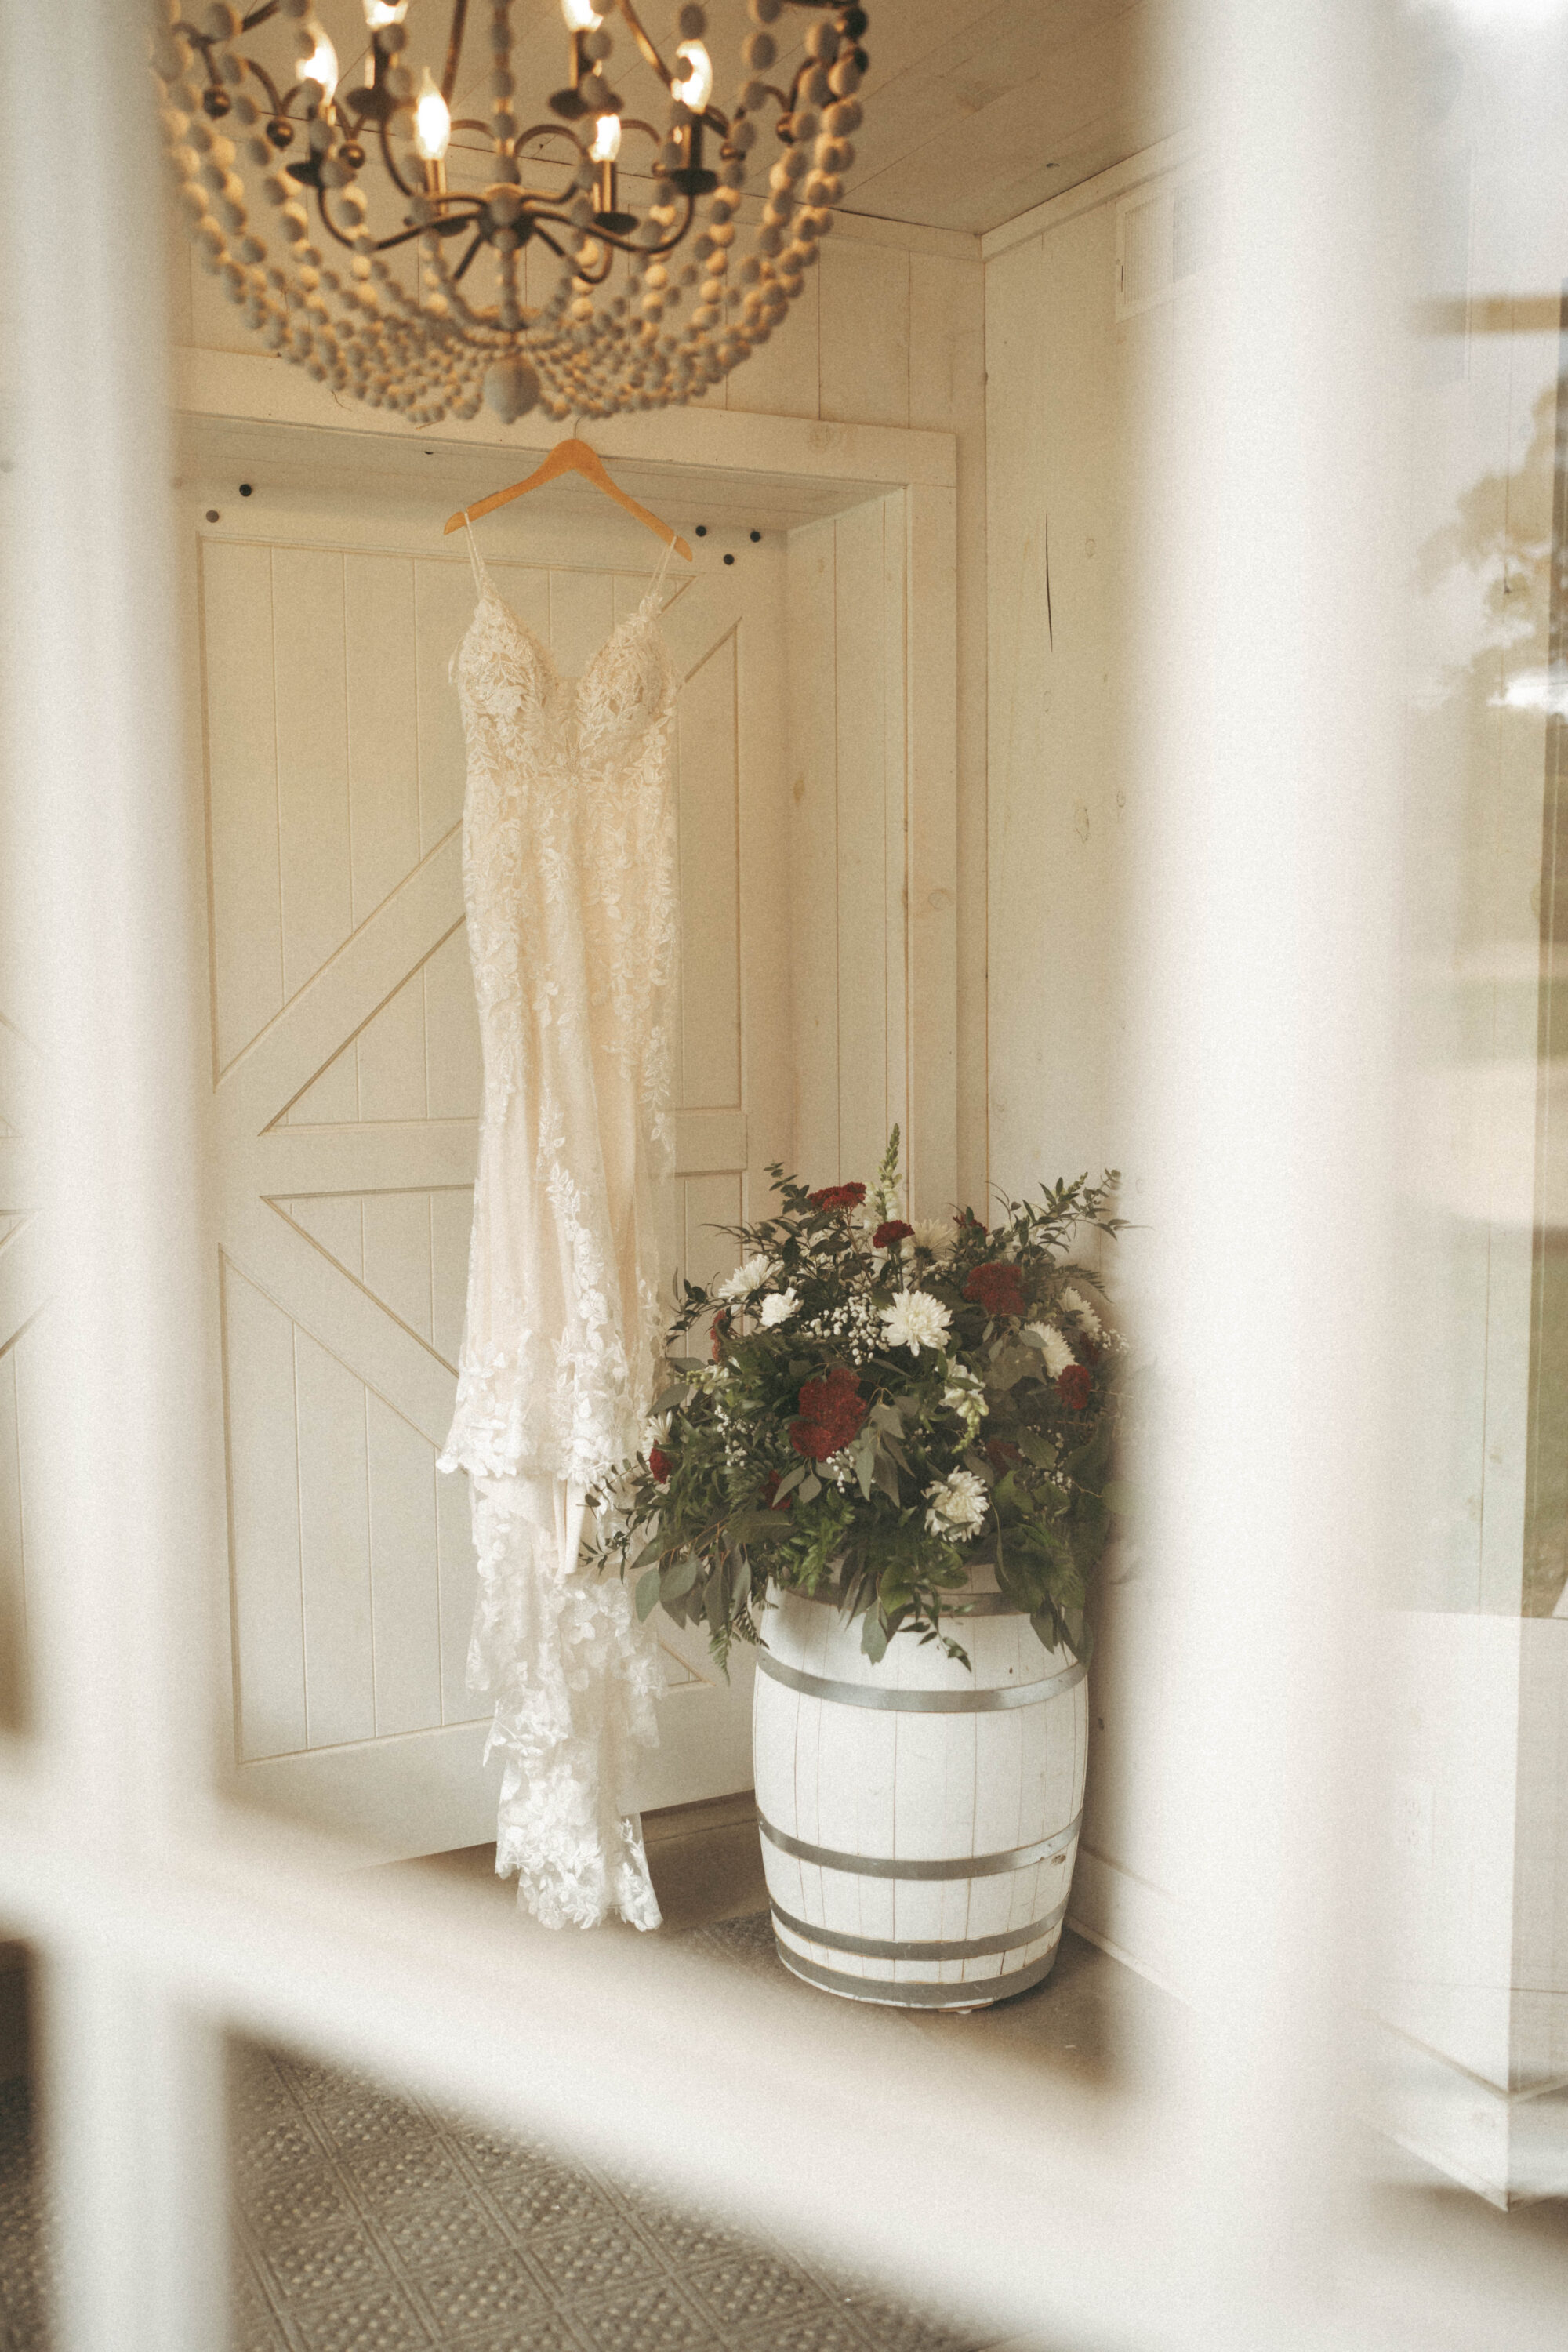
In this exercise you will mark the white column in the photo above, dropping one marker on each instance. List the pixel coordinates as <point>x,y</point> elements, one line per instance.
<point>128,1539</point>
<point>1269,911</point>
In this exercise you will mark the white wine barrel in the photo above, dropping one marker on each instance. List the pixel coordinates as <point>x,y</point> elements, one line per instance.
<point>919,1822</point>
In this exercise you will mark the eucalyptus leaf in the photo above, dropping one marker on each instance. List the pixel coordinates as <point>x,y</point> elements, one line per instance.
<point>810,1487</point>
<point>678,1579</point>
<point>648,1595</point>
<point>650,1551</point>
<point>873,1637</point>
<point>865,1457</point>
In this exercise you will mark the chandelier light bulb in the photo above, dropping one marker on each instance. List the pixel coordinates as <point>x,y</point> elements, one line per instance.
<point>606,143</point>
<point>321,65</point>
<point>378,12</point>
<point>581,16</point>
<point>697,88</point>
<point>432,122</point>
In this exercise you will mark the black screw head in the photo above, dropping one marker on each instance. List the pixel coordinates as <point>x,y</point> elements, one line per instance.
<point>702,530</point>
<point>246,489</point>
<point>729,559</point>
<point>212,514</point>
<point>755,536</point>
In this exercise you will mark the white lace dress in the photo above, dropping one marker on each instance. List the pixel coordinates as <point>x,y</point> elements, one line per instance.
<point>570,882</point>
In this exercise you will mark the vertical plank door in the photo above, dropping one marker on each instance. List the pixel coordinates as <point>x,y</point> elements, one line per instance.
<point>345,1098</point>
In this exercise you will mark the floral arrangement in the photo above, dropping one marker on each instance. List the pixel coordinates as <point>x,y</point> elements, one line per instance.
<point>883,1406</point>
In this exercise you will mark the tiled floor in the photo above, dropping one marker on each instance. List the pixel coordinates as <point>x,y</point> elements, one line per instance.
<point>368,2223</point>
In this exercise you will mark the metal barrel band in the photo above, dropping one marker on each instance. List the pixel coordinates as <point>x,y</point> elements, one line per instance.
<point>918,1994</point>
<point>969,1604</point>
<point>921,1702</point>
<point>877,1948</point>
<point>961,1865</point>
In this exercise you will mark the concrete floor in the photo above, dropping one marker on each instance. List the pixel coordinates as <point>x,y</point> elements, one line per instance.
<point>1093,2021</point>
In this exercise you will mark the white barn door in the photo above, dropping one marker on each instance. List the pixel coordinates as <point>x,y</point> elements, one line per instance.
<point>346,1088</point>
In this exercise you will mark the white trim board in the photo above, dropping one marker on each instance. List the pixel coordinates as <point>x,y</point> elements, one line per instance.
<point>1134,1921</point>
<point>1151,163</point>
<point>881,457</point>
<point>1510,2146</point>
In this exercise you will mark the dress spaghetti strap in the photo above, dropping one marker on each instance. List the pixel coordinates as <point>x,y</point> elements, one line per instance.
<point>481,577</point>
<point>656,582</point>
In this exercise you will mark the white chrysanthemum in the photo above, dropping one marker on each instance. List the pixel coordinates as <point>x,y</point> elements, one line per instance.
<point>1057,1354</point>
<point>749,1275</point>
<point>937,1235</point>
<point>915,1320</point>
<point>956,1506</point>
<point>777,1308</point>
<point>1078,1305</point>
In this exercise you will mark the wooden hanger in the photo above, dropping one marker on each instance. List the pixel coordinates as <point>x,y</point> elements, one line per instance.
<point>570,456</point>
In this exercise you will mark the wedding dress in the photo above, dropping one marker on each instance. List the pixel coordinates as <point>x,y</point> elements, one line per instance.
<point>569,879</point>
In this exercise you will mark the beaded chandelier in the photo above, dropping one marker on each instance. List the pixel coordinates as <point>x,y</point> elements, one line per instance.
<point>427,312</point>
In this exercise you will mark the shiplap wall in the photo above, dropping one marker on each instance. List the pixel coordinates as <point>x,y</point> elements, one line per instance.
<point>849,829</point>
<point>1074,492</point>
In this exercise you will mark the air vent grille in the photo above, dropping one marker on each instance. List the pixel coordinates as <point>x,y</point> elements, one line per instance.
<point>1167,235</point>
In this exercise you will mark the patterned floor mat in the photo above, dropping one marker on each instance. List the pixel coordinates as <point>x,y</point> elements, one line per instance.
<point>369,2222</point>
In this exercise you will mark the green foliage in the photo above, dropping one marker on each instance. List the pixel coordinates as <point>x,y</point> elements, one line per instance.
<point>961,1450</point>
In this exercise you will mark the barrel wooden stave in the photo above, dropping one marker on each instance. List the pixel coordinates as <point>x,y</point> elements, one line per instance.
<point>920,1788</point>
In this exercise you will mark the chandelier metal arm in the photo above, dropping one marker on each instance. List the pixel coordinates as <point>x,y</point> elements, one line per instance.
<point>454,49</point>
<point>462,265</point>
<point>276,104</point>
<point>453,225</point>
<point>384,129</point>
<point>627,244</point>
<point>650,54</point>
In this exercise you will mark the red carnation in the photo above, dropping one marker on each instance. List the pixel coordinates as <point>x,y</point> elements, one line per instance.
<point>659,1462</point>
<point>894,1230</point>
<point>999,1289</point>
<point>838,1196</point>
<point>1003,1453</point>
<point>831,1412</point>
<point>1075,1387</point>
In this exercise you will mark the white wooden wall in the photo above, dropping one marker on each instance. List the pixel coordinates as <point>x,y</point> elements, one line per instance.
<point>1077,486</point>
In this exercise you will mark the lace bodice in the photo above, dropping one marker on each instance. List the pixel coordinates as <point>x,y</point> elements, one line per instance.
<point>570,882</point>
<point>569,879</point>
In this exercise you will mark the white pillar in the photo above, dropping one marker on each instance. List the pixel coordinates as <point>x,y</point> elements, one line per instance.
<point>103,898</point>
<point>1268,914</point>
